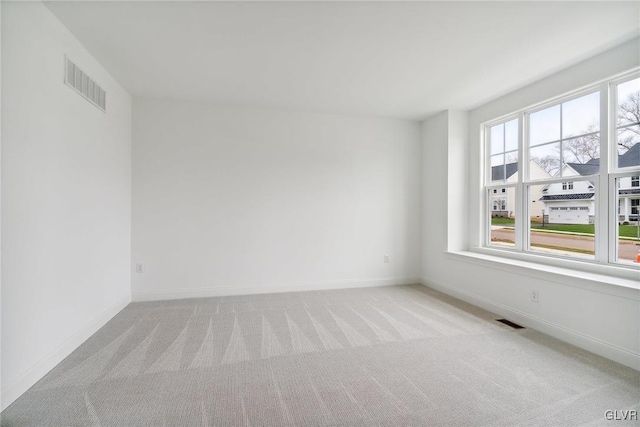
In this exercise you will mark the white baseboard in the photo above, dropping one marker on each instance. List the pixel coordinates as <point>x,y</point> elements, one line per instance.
<point>219,291</point>
<point>594,345</point>
<point>16,388</point>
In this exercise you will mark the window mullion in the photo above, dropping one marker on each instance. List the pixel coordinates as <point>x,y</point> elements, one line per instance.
<point>611,204</point>
<point>561,141</point>
<point>605,228</point>
<point>484,201</point>
<point>521,211</point>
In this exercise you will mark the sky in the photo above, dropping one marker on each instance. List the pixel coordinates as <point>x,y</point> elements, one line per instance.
<point>580,116</point>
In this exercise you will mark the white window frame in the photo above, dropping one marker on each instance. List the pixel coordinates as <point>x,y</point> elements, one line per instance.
<point>606,204</point>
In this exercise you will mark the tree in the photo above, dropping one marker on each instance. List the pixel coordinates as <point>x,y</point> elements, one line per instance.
<point>499,207</point>
<point>583,148</point>
<point>549,163</point>
<point>629,114</point>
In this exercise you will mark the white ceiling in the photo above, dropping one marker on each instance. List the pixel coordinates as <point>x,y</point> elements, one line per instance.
<point>394,59</point>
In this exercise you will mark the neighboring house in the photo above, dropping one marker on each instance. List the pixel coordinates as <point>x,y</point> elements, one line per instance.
<point>629,198</point>
<point>502,200</point>
<point>572,202</point>
<point>629,187</point>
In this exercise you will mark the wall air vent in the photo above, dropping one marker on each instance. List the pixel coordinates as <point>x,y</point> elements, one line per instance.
<point>76,79</point>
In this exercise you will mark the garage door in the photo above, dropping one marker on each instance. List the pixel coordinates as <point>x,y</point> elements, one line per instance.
<point>569,215</point>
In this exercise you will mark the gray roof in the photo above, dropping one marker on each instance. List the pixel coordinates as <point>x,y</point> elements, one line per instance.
<point>498,172</point>
<point>592,167</point>
<point>576,196</point>
<point>630,158</point>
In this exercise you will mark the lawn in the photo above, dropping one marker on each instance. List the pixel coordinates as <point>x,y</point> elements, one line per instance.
<point>572,228</point>
<point>502,221</point>
<point>623,230</point>
<point>628,230</point>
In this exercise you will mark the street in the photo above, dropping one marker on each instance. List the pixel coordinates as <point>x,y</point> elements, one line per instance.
<point>627,250</point>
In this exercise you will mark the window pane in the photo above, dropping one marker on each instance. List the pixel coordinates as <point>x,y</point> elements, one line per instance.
<point>628,223</point>
<point>502,214</point>
<point>497,139</point>
<point>511,157</point>
<point>628,132</point>
<point>628,102</point>
<point>581,115</point>
<point>562,218</point>
<point>582,155</point>
<point>544,126</point>
<point>511,135</point>
<point>497,168</point>
<point>547,157</point>
<point>628,150</point>
<point>504,165</point>
<point>497,160</point>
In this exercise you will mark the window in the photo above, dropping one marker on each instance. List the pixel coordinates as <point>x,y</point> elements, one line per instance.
<point>500,205</point>
<point>495,191</point>
<point>532,152</point>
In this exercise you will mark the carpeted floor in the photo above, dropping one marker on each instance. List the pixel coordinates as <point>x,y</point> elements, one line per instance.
<point>386,356</point>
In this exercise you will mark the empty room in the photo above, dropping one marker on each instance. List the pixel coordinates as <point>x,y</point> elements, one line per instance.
<point>333,213</point>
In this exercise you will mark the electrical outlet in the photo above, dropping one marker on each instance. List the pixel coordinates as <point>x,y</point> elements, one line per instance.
<point>138,268</point>
<point>534,296</point>
<point>386,259</point>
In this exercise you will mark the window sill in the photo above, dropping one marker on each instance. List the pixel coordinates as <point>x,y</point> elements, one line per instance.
<point>613,280</point>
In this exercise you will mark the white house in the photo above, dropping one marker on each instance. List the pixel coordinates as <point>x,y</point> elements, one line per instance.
<point>502,200</point>
<point>629,198</point>
<point>629,187</point>
<point>573,202</point>
<point>569,202</point>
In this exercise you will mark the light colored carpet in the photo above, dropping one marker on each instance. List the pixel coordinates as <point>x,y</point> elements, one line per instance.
<point>386,356</point>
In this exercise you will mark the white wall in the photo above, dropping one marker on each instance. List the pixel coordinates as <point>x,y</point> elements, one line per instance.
<point>66,191</point>
<point>580,308</point>
<point>233,201</point>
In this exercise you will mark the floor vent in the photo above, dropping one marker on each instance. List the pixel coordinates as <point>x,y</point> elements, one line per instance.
<point>509,323</point>
<point>84,85</point>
